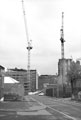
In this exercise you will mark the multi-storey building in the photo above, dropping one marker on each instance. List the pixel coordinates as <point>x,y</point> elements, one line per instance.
<point>45,80</point>
<point>21,75</point>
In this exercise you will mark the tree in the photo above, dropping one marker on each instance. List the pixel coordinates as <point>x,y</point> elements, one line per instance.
<point>74,74</point>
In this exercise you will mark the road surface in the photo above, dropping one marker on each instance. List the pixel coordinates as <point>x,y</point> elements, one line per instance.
<point>62,109</point>
<point>40,108</point>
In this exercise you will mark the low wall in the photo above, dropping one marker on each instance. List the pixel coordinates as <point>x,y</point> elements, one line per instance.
<point>16,88</point>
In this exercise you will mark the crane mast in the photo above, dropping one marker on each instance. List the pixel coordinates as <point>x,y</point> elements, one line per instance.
<point>62,50</point>
<point>29,47</point>
<point>62,37</point>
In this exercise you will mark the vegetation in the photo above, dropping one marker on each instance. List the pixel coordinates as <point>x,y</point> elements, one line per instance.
<point>74,74</point>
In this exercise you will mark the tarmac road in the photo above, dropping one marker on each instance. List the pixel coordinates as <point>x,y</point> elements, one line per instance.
<point>40,108</point>
<point>62,109</point>
<point>15,116</point>
<point>26,110</point>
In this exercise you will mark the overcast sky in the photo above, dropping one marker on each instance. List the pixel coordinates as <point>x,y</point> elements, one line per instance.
<point>44,23</point>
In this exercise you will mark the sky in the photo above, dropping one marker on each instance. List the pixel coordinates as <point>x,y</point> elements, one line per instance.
<point>43,24</point>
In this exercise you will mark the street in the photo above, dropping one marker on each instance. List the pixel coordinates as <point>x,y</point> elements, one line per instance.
<point>62,109</point>
<point>41,108</point>
<point>29,109</point>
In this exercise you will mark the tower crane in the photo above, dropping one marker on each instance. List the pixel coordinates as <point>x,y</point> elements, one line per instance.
<point>62,37</point>
<point>62,51</point>
<point>29,47</point>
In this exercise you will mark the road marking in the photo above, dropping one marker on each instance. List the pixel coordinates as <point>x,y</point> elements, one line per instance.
<point>68,116</point>
<point>40,112</point>
<point>38,102</point>
<point>66,103</point>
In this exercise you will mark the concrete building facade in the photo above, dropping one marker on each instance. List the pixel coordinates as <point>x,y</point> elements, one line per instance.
<point>45,80</point>
<point>21,76</point>
<point>63,67</point>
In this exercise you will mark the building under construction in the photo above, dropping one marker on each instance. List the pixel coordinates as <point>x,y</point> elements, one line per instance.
<point>21,75</point>
<point>27,82</point>
<point>63,64</point>
<point>57,89</point>
<point>63,67</point>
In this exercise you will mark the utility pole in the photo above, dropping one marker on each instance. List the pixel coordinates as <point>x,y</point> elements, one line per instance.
<point>29,47</point>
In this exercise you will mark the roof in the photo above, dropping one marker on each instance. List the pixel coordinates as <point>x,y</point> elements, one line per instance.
<point>10,80</point>
<point>1,67</point>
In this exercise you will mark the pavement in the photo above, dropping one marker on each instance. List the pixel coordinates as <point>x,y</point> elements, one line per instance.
<point>29,104</point>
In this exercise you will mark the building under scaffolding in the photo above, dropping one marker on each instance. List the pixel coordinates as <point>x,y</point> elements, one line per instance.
<point>21,75</point>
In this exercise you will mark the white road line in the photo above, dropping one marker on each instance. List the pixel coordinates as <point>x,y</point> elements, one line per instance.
<point>65,105</point>
<point>68,116</point>
<point>40,112</point>
<point>38,102</point>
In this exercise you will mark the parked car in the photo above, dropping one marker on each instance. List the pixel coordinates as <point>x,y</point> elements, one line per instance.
<point>41,94</point>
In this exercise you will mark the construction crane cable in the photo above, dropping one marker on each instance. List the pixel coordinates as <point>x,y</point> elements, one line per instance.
<point>29,45</point>
<point>25,21</point>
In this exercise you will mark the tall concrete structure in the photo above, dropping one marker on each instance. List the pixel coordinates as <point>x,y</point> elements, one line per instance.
<point>63,67</point>
<point>60,87</point>
<point>63,64</point>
